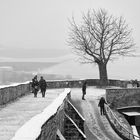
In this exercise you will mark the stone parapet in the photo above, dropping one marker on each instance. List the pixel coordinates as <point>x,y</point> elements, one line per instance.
<point>64,84</point>
<point>12,92</point>
<point>78,83</point>
<point>123,97</point>
<point>118,83</point>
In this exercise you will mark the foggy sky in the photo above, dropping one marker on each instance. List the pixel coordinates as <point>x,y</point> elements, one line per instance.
<point>39,28</point>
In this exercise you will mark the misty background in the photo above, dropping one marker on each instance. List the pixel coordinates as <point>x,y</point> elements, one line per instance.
<point>34,33</point>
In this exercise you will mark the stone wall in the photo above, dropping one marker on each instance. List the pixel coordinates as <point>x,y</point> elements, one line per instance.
<point>54,123</point>
<point>64,84</point>
<point>78,83</point>
<point>118,83</point>
<point>10,93</point>
<point>73,123</point>
<point>122,97</point>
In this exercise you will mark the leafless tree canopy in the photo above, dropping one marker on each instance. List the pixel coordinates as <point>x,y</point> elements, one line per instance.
<point>101,37</point>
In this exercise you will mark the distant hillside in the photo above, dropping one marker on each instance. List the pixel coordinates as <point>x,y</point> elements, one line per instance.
<point>73,68</point>
<point>27,66</point>
<point>67,66</point>
<point>124,68</point>
<point>15,72</point>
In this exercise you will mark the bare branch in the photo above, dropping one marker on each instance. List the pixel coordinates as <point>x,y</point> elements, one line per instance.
<point>100,37</point>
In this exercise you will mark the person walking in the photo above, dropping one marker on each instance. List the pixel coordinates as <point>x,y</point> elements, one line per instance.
<point>42,85</point>
<point>35,86</point>
<point>101,104</point>
<point>32,86</point>
<point>84,86</point>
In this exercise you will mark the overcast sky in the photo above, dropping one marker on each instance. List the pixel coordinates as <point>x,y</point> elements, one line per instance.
<point>35,28</point>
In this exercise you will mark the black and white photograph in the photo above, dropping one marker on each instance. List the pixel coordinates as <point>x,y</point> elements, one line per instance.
<point>69,70</point>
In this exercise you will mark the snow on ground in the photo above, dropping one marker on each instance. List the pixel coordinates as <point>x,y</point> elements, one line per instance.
<point>97,125</point>
<point>35,123</point>
<point>95,91</point>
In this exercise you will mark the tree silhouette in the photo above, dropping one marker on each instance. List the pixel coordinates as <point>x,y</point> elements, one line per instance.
<point>100,38</point>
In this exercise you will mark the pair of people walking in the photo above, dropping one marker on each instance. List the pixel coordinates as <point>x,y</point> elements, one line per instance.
<point>36,85</point>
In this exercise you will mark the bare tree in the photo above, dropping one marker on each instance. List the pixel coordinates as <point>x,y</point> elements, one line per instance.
<point>100,38</point>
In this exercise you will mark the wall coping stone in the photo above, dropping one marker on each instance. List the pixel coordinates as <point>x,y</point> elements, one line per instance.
<point>14,84</point>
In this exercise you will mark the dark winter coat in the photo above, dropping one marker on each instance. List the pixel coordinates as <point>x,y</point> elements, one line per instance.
<point>102,102</point>
<point>42,84</point>
<point>84,88</point>
<point>35,85</point>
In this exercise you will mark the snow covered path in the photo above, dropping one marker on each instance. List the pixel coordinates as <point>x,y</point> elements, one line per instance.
<point>96,126</point>
<point>15,114</point>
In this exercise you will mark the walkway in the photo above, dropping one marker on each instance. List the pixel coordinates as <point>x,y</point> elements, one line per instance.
<point>96,126</point>
<point>15,114</point>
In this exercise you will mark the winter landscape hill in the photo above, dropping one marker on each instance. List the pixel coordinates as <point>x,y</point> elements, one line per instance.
<point>123,68</point>
<point>66,67</point>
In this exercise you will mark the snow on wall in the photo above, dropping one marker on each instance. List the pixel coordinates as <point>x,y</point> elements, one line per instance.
<point>11,92</point>
<point>14,84</point>
<point>31,129</point>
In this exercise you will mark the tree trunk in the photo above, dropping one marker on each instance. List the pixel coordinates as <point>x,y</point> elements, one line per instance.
<point>103,74</point>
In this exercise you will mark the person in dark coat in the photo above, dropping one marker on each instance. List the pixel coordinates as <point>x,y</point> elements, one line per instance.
<point>101,104</point>
<point>84,86</point>
<point>136,83</point>
<point>42,85</point>
<point>35,86</point>
<point>32,86</point>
